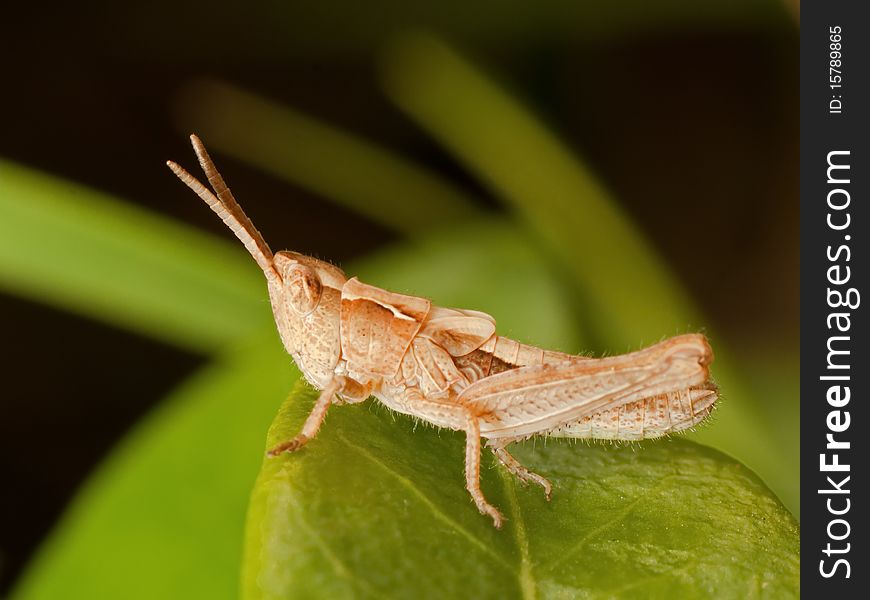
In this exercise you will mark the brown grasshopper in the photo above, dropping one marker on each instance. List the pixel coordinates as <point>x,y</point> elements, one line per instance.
<point>447,366</point>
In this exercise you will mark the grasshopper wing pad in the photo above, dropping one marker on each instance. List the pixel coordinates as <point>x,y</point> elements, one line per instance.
<point>533,399</point>
<point>377,327</point>
<point>458,331</point>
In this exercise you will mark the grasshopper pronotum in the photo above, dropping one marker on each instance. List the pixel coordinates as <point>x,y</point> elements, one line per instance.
<point>448,366</point>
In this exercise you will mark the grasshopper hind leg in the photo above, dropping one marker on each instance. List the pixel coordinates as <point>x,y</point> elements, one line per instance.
<point>499,448</point>
<point>472,471</point>
<point>459,418</point>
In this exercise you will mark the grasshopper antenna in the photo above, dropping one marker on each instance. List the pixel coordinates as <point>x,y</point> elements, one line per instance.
<point>225,206</point>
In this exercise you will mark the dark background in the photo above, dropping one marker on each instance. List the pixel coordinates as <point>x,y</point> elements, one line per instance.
<point>88,93</point>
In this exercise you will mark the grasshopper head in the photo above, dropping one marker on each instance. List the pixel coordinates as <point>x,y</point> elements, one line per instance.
<point>306,302</point>
<point>305,292</point>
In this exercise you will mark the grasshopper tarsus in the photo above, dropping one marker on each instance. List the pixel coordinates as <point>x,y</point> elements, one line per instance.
<point>544,483</point>
<point>289,446</point>
<point>520,471</point>
<point>488,509</point>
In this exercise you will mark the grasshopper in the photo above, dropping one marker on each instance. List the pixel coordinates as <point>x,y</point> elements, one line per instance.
<point>448,366</point>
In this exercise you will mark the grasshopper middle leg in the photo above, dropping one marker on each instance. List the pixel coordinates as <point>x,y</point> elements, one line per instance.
<point>499,448</point>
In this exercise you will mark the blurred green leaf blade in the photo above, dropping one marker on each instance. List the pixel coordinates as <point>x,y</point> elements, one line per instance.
<point>488,265</point>
<point>376,507</point>
<point>630,296</point>
<point>342,167</point>
<point>163,516</point>
<point>556,194</point>
<point>78,249</point>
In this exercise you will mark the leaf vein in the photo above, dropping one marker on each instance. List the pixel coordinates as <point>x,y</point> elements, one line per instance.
<point>317,538</point>
<point>437,512</point>
<point>525,577</point>
<point>664,481</point>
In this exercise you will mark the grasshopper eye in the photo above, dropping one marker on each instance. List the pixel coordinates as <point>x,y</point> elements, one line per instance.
<point>302,288</point>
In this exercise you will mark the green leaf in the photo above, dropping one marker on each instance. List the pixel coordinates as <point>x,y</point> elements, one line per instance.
<point>344,168</point>
<point>77,249</point>
<point>163,517</point>
<point>375,507</point>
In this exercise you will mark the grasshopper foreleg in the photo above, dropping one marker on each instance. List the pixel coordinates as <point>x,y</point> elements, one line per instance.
<point>312,423</point>
<point>499,448</point>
